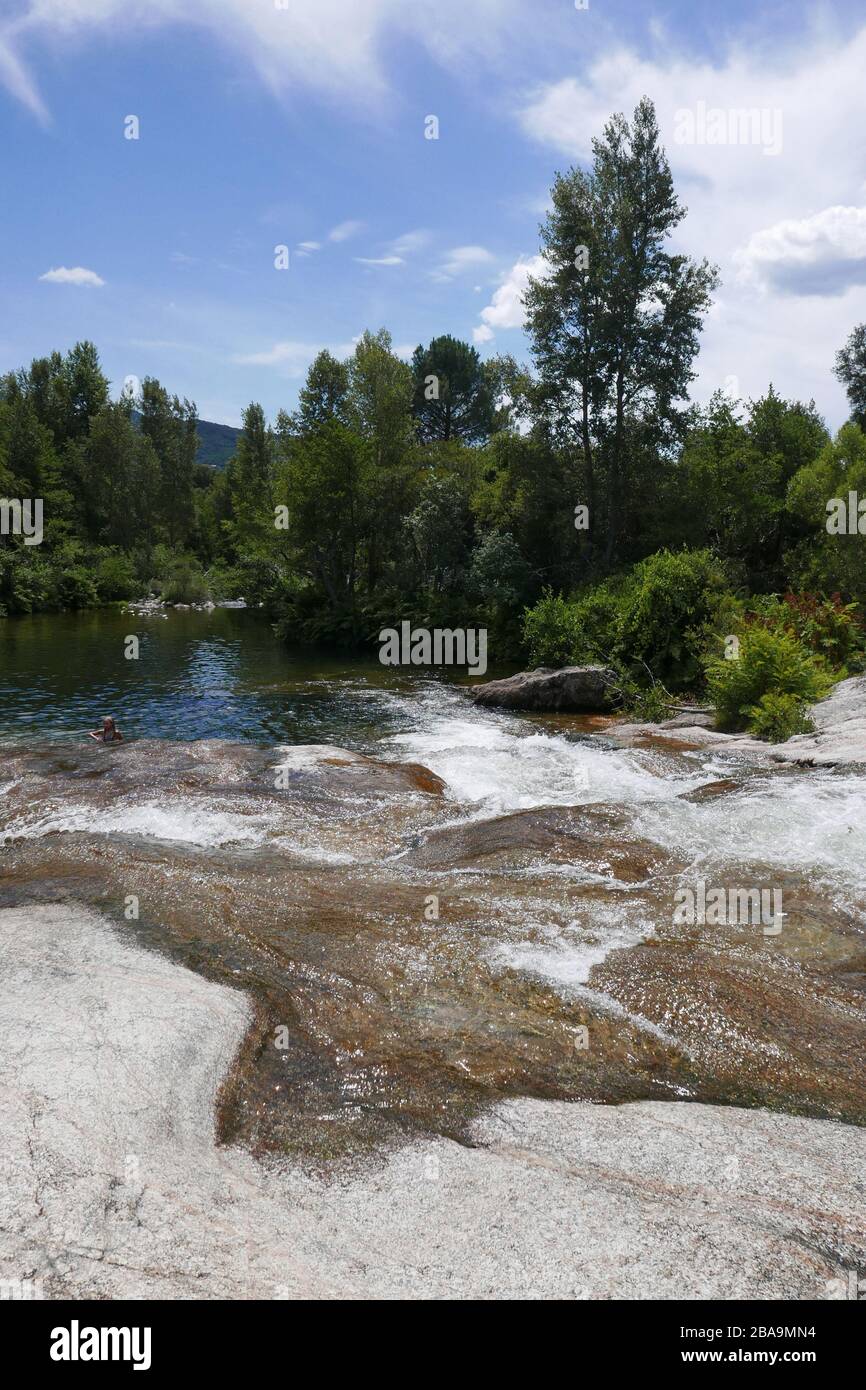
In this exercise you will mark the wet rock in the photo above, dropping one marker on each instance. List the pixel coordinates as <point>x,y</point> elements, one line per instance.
<point>690,719</point>
<point>839,739</point>
<point>710,790</point>
<point>592,836</point>
<point>663,1200</point>
<point>591,689</point>
<point>340,767</point>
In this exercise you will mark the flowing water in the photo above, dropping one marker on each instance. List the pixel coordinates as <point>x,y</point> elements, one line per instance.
<point>430,905</point>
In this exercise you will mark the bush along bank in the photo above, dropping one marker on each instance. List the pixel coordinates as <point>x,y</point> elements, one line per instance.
<point>675,629</point>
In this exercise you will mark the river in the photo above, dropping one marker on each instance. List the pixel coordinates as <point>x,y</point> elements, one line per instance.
<point>461,905</point>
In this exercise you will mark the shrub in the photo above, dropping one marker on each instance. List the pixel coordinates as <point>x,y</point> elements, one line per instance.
<point>827,626</point>
<point>647,704</point>
<point>768,663</point>
<point>597,619</point>
<point>75,587</point>
<point>116,577</point>
<point>184,582</point>
<point>549,631</point>
<point>669,598</point>
<point>223,582</point>
<point>777,717</point>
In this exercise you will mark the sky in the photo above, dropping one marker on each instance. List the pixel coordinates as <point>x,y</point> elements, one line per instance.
<point>306,125</point>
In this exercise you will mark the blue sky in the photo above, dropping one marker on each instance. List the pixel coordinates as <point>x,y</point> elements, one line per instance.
<point>262,126</point>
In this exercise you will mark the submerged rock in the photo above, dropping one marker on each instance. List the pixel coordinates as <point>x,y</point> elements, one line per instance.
<point>591,689</point>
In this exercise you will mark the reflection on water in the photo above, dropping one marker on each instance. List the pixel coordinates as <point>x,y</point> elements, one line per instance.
<point>218,674</point>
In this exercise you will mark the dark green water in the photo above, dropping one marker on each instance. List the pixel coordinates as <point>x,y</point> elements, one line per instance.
<point>200,675</point>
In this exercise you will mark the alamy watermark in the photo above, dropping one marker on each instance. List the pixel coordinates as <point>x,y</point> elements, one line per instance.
<point>733,125</point>
<point>709,906</point>
<point>22,517</point>
<point>22,1290</point>
<point>446,646</point>
<point>846,518</point>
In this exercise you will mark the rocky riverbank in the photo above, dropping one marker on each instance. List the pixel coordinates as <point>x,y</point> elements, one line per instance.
<point>839,738</point>
<point>374,1000</point>
<point>112,1059</point>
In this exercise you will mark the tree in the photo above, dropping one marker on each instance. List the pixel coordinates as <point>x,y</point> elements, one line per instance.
<point>831,557</point>
<point>251,471</point>
<point>326,485</point>
<point>118,478</point>
<point>614,321</point>
<point>379,411</point>
<point>440,528</point>
<point>452,396</point>
<point>170,425</point>
<point>851,371</point>
<point>323,397</point>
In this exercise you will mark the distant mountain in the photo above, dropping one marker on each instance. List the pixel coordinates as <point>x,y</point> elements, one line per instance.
<point>217,443</point>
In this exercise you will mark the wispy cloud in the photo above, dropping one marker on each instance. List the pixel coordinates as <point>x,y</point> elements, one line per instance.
<point>344,230</point>
<point>15,78</point>
<point>379,260</point>
<point>73,275</point>
<point>410,242</point>
<point>333,47</point>
<point>460,261</point>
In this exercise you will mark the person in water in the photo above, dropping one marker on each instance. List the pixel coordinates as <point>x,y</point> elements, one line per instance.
<point>109,733</point>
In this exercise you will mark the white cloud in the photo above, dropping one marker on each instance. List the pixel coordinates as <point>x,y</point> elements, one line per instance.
<point>410,242</point>
<point>15,79</point>
<point>820,255</point>
<point>344,230</point>
<point>379,260</point>
<point>749,210</point>
<point>329,46</point>
<point>310,246</point>
<point>506,308</point>
<point>293,356</point>
<point>463,258</point>
<point>74,275</point>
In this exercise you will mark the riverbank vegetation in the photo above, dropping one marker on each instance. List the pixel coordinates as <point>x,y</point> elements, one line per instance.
<point>579,508</point>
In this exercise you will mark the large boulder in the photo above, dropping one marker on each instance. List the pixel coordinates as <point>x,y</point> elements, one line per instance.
<point>586,689</point>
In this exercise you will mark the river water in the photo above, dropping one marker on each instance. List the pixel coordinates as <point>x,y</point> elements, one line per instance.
<point>462,904</point>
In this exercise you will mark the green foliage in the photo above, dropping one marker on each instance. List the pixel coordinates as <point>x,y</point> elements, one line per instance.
<point>116,578</point>
<point>549,631</point>
<point>777,717</point>
<point>649,620</point>
<point>769,663</point>
<point>851,371</point>
<point>826,626</point>
<point>180,578</point>
<point>828,561</point>
<point>75,587</point>
<point>646,704</point>
<point>452,396</point>
<point>667,601</point>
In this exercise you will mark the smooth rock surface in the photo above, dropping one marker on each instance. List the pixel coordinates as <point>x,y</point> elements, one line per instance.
<point>579,688</point>
<point>113,1186</point>
<point>839,739</point>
